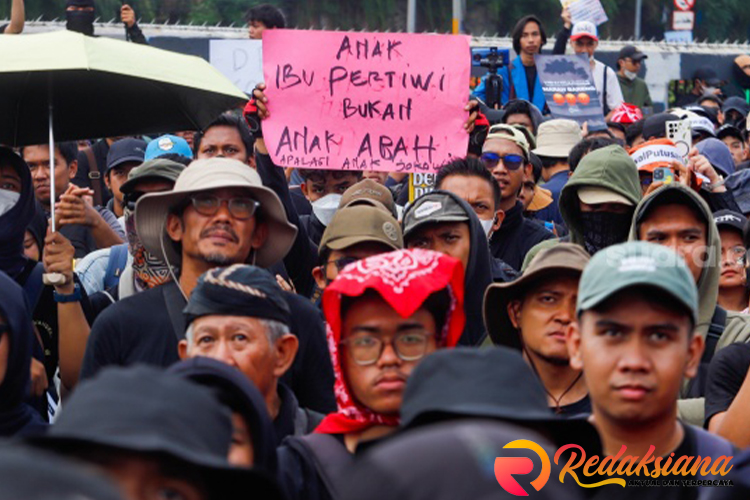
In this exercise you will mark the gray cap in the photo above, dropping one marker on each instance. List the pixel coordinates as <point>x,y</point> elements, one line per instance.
<point>435,206</point>
<point>633,264</point>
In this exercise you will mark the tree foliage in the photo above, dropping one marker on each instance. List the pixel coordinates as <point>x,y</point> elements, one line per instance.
<point>716,20</point>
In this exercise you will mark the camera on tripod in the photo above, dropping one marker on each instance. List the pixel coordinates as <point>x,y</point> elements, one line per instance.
<point>493,60</point>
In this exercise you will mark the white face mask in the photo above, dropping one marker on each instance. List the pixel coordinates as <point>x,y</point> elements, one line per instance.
<point>487,226</point>
<point>630,75</point>
<point>8,200</point>
<point>325,207</point>
<point>709,90</point>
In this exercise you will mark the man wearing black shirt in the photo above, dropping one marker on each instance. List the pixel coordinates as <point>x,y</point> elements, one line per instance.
<point>728,394</point>
<point>532,315</point>
<point>218,214</point>
<point>635,342</point>
<point>506,154</point>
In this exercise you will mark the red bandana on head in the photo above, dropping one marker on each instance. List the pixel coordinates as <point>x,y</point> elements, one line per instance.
<point>404,279</point>
<point>626,114</point>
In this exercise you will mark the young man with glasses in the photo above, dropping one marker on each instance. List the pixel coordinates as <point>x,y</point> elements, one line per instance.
<point>218,214</point>
<point>505,153</point>
<point>384,315</point>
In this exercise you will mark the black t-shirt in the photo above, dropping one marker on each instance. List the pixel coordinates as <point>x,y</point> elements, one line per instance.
<point>530,80</point>
<point>577,409</point>
<point>688,447</point>
<point>726,374</point>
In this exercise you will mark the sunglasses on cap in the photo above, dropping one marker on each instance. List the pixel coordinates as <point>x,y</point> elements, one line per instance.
<point>511,162</point>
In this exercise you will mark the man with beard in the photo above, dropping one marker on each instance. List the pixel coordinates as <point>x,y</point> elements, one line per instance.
<point>218,214</point>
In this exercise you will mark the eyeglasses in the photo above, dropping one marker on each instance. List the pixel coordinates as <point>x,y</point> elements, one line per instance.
<point>239,208</point>
<point>511,162</point>
<point>738,255</point>
<point>342,262</point>
<point>367,349</point>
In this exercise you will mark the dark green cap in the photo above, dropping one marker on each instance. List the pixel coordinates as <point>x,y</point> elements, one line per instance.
<point>354,224</point>
<point>157,169</point>
<point>633,264</point>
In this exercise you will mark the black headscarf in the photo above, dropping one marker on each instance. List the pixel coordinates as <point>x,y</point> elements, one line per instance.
<point>478,271</point>
<point>38,228</point>
<point>16,417</point>
<point>234,388</point>
<point>14,222</point>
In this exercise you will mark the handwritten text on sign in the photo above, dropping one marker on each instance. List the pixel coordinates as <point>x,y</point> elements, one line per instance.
<point>365,101</point>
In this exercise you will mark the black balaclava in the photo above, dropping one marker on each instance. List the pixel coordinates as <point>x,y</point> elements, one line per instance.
<point>603,229</point>
<point>80,21</point>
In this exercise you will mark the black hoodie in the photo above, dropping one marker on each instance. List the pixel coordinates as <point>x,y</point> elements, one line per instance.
<point>516,236</point>
<point>16,417</point>
<point>482,268</point>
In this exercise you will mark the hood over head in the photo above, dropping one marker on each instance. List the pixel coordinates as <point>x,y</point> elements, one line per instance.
<point>708,283</point>
<point>15,415</point>
<point>239,393</point>
<point>478,272</point>
<point>608,168</point>
<point>13,223</point>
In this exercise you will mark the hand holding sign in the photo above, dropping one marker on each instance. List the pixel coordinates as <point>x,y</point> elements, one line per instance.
<point>365,101</point>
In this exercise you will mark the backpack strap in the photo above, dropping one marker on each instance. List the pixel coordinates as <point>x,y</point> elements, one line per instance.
<point>715,330</point>
<point>330,457</point>
<point>95,177</point>
<point>118,259</point>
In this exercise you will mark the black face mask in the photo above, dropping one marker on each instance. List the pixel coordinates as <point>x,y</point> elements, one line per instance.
<point>80,21</point>
<point>603,229</point>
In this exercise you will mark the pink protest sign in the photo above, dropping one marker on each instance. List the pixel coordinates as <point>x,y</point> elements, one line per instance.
<point>365,101</point>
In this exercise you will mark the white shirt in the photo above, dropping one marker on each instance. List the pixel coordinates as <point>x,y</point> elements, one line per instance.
<point>614,93</point>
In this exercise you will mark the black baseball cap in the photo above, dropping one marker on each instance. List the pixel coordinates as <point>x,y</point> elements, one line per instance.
<point>655,126</point>
<point>730,219</point>
<point>708,75</point>
<point>632,52</point>
<point>125,150</point>
<point>729,131</point>
<point>736,103</point>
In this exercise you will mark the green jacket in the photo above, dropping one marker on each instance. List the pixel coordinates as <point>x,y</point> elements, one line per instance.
<point>737,327</point>
<point>609,168</point>
<point>635,91</point>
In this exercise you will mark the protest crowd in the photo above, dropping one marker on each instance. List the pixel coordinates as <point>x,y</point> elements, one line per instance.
<point>185,316</point>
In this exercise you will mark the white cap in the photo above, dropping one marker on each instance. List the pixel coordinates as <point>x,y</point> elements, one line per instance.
<point>584,28</point>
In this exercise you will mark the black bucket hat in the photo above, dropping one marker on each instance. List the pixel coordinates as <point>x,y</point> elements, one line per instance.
<point>149,411</point>
<point>494,383</point>
<point>27,473</point>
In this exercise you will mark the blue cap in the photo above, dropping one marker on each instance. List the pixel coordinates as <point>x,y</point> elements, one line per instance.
<point>718,154</point>
<point>168,144</point>
<point>124,151</point>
